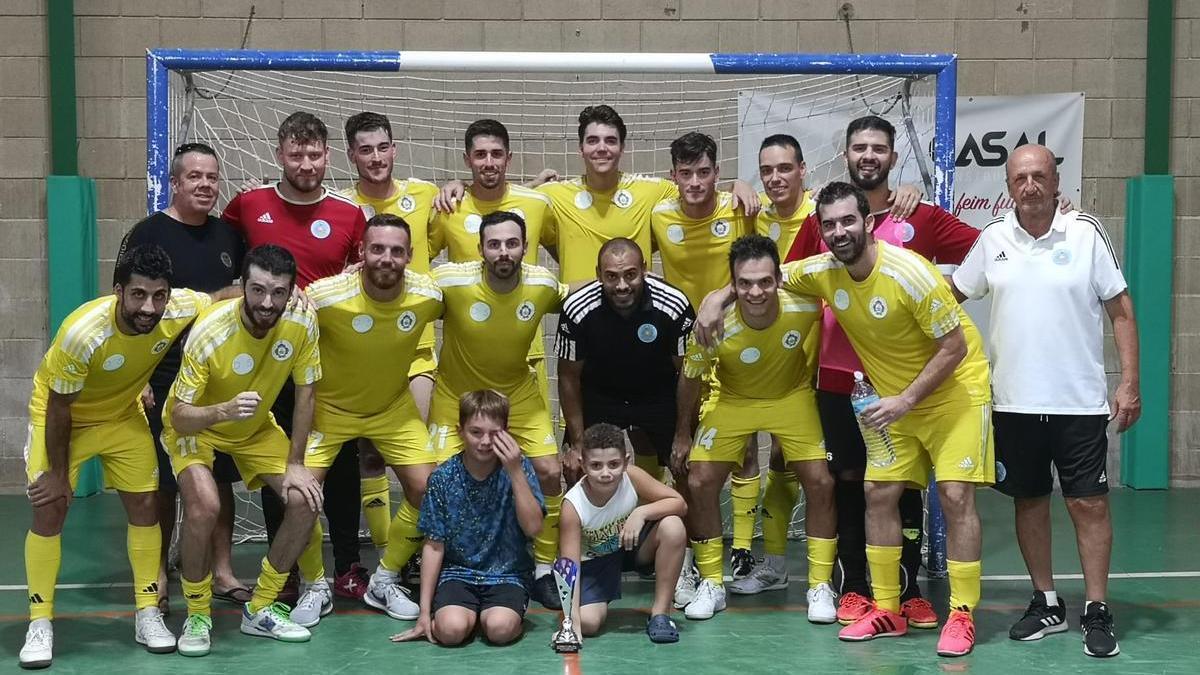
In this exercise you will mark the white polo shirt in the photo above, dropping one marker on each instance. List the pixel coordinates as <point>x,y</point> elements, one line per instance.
<point>1046,339</point>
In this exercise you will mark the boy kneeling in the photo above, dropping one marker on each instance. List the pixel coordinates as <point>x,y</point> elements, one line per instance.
<point>481,509</point>
<point>619,518</point>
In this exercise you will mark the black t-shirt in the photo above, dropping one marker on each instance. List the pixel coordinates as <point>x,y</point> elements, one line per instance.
<point>630,359</point>
<point>204,257</point>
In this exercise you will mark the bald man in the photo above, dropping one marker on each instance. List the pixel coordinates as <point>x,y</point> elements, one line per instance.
<point>1052,277</point>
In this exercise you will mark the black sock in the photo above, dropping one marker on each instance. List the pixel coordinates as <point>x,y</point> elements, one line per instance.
<point>343,507</point>
<point>912,520</point>
<point>852,536</point>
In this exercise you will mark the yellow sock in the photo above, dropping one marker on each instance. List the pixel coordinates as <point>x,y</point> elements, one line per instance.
<point>144,545</point>
<point>964,584</point>
<point>783,489</point>
<point>707,553</point>
<point>649,464</point>
<point>884,563</point>
<point>42,558</point>
<point>198,595</point>
<point>744,493</point>
<point>821,553</point>
<point>545,547</point>
<point>312,559</point>
<point>404,537</point>
<point>270,582</point>
<point>377,508</point>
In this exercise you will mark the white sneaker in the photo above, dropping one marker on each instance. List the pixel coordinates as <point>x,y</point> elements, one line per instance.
<point>822,604</point>
<point>685,588</point>
<point>315,603</point>
<point>194,637</point>
<point>150,631</point>
<point>389,596</point>
<point>764,578</point>
<point>39,644</point>
<point>273,621</point>
<point>710,599</point>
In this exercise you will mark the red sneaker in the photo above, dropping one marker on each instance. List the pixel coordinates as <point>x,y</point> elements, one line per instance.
<point>352,584</point>
<point>877,623</point>
<point>958,635</point>
<point>919,613</point>
<point>852,607</point>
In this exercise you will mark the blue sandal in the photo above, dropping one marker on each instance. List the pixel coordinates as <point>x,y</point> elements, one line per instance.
<point>662,629</point>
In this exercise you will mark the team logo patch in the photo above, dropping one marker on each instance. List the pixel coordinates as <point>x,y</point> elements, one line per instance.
<point>720,228</point>
<point>841,299</point>
<point>406,321</point>
<point>282,350</point>
<point>362,323</point>
<point>320,229</point>
<point>525,311</point>
<point>407,204</point>
<point>791,339</point>
<point>1061,256</point>
<point>583,199</point>
<point>480,311</point>
<point>623,198</point>
<point>675,234</point>
<point>750,355</point>
<point>159,346</point>
<point>226,260</point>
<point>113,362</point>
<point>774,231</point>
<point>243,363</point>
<point>647,333</point>
<point>907,232</point>
<point>878,307</point>
<point>368,211</point>
<point>471,223</point>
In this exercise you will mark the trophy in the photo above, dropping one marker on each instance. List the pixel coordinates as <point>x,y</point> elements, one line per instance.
<point>566,640</point>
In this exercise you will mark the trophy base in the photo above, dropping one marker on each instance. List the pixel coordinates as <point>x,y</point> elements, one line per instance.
<point>566,647</point>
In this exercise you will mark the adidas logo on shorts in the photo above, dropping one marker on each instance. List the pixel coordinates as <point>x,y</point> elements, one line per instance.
<point>967,464</point>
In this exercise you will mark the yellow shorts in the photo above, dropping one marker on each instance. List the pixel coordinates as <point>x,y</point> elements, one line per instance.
<point>398,433</point>
<point>792,420</point>
<point>957,444</point>
<point>262,454</point>
<point>424,363</point>
<point>528,422</point>
<point>125,448</point>
<point>538,365</point>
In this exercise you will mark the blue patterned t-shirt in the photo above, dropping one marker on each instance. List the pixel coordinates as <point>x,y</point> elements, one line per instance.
<point>477,523</point>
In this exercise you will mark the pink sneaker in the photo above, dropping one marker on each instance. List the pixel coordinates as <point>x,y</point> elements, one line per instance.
<point>877,623</point>
<point>958,635</point>
<point>852,607</point>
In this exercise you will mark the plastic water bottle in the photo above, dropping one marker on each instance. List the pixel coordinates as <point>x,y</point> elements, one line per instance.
<point>881,451</point>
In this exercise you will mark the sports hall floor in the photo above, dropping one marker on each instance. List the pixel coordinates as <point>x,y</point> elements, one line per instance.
<point>1154,592</point>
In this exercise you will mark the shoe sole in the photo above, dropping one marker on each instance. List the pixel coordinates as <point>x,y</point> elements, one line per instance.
<point>375,604</point>
<point>1048,630</point>
<point>868,638</point>
<point>256,633</point>
<point>155,650</point>
<point>953,654</point>
<point>36,665</point>
<point>822,620</point>
<point>778,586</point>
<point>703,618</point>
<point>1089,652</point>
<point>847,622</point>
<point>194,652</point>
<point>922,625</point>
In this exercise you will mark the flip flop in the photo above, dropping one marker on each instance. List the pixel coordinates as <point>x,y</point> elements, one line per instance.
<point>238,595</point>
<point>662,629</point>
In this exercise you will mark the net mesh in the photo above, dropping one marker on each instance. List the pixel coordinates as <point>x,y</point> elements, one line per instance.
<point>238,112</point>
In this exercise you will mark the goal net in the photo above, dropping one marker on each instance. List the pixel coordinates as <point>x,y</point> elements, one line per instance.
<point>235,100</point>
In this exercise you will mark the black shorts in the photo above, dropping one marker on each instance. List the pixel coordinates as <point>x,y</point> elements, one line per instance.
<point>655,418</point>
<point>224,470</point>
<point>478,597</point>
<point>844,447</point>
<point>600,578</point>
<point>1027,444</point>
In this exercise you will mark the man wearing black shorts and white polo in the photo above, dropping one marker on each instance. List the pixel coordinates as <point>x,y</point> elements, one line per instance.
<point>1052,277</point>
<point>621,341</point>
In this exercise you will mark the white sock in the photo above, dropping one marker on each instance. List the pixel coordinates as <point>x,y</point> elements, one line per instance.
<point>1051,598</point>
<point>541,570</point>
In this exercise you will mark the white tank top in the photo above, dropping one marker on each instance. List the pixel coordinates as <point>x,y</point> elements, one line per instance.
<point>601,531</point>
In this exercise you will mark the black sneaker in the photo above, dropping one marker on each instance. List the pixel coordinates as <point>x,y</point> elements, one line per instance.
<point>1040,619</point>
<point>545,591</point>
<point>1098,636</point>
<point>741,563</point>
<point>411,573</point>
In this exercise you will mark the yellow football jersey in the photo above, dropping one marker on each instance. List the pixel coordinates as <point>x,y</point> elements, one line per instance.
<point>458,232</point>
<point>485,335</point>
<point>781,230</point>
<point>695,251</point>
<point>893,319</point>
<point>760,364</point>
<point>107,368</point>
<point>585,220</point>
<point>221,359</point>
<point>366,346</point>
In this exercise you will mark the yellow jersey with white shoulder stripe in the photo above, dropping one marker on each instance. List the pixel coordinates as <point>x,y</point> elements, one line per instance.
<point>585,219</point>
<point>695,251</point>
<point>458,232</point>
<point>757,364</point>
<point>782,230</point>
<point>221,359</point>
<point>108,369</point>
<point>367,347</point>
<point>894,318</point>
<point>485,334</point>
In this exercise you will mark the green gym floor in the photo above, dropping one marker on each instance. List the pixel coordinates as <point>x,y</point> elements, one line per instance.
<point>1154,593</point>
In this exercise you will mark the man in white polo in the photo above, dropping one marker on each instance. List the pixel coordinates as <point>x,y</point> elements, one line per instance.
<point>1052,277</point>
